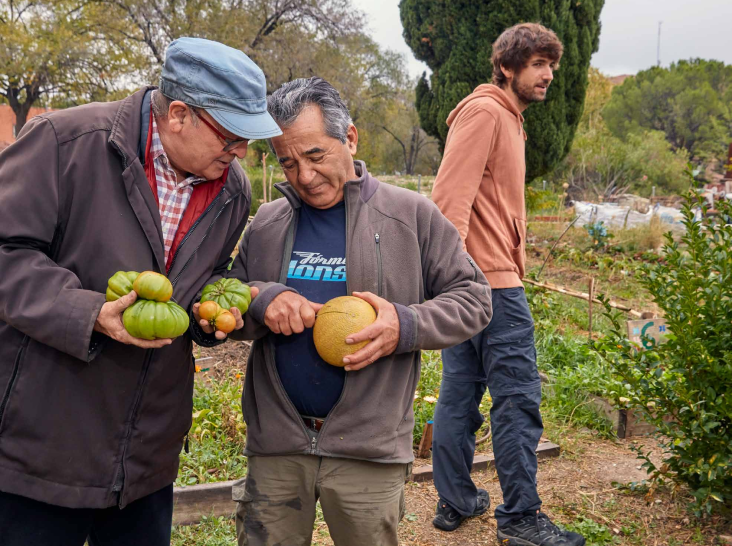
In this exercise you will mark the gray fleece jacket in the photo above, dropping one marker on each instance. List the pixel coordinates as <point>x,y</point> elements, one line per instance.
<point>399,246</point>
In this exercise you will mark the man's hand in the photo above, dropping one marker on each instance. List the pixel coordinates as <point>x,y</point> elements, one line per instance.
<point>290,313</point>
<point>383,333</point>
<point>109,322</point>
<point>206,326</point>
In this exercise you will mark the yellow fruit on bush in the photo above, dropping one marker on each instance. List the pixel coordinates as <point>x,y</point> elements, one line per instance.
<point>336,320</point>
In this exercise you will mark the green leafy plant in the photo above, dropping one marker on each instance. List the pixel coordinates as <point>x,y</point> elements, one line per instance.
<point>599,234</point>
<point>595,533</point>
<point>217,435</point>
<point>683,386</point>
<point>427,393</point>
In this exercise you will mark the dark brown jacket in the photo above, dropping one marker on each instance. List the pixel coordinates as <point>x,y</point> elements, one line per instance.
<point>86,421</point>
<point>399,246</point>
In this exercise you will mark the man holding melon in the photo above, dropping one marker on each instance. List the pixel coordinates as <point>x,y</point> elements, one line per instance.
<point>114,218</point>
<point>328,400</point>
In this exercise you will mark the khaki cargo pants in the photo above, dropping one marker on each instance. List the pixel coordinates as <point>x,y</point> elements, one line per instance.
<point>362,502</point>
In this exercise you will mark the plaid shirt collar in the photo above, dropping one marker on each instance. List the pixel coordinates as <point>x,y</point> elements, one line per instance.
<point>159,157</point>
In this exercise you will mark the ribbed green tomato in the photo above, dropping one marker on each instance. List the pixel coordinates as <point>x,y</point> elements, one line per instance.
<point>147,319</point>
<point>153,286</point>
<point>228,293</point>
<point>120,284</point>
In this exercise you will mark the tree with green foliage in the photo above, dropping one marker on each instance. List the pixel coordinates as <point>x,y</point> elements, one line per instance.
<point>454,39</point>
<point>48,48</point>
<point>600,165</point>
<point>690,102</point>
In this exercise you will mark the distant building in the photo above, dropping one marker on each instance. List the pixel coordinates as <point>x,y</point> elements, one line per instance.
<point>7,122</point>
<point>618,80</point>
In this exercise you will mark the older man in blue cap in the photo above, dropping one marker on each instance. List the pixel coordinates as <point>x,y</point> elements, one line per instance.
<point>92,420</point>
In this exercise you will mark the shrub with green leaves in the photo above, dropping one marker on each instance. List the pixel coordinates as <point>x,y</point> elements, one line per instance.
<point>689,378</point>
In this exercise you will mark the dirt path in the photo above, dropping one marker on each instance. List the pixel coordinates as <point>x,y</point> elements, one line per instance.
<point>577,485</point>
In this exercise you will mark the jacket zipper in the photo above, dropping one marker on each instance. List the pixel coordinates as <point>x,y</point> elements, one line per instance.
<point>345,204</point>
<point>13,376</point>
<point>348,292</point>
<point>203,240</point>
<point>193,227</point>
<point>268,344</point>
<point>119,478</point>
<point>377,238</point>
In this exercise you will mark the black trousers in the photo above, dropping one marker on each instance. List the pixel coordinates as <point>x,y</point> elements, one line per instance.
<point>145,522</point>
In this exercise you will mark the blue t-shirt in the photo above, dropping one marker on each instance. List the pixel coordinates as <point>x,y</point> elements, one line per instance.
<point>317,270</point>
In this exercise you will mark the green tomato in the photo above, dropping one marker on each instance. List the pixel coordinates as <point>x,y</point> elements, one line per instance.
<point>120,284</point>
<point>150,285</point>
<point>147,319</point>
<point>228,293</point>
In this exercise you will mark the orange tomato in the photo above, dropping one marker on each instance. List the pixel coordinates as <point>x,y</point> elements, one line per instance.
<point>209,310</point>
<point>225,321</point>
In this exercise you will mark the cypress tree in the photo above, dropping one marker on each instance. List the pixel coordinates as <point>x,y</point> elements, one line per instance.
<point>454,38</point>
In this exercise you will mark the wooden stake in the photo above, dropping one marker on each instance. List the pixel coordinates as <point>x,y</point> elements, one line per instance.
<point>425,445</point>
<point>271,176</point>
<point>590,299</point>
<point>264,176</point>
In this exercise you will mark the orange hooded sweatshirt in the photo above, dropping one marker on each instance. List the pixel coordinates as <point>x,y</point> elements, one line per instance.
<point>480,184</point>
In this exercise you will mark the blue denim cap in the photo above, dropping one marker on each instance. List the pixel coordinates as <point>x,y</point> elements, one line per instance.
<point>221,80</point>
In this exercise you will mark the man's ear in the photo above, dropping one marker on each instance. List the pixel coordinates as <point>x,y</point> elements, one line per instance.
<point>508,72</point>
<point>352,139</point>
<point>178,116</point>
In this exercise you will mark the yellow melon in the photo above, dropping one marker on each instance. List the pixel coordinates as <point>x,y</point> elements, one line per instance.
<point>337,319</point>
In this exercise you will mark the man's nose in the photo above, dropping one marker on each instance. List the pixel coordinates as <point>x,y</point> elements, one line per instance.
<point>241,150</point>
<point>305,175</point>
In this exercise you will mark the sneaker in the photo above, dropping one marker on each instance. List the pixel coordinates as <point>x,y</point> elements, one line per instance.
<point>536,530</point>
<point>449,519</point>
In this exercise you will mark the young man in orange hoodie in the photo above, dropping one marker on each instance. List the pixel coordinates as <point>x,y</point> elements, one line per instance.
<point>480,189</point>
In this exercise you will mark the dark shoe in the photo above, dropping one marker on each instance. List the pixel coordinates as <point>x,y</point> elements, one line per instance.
<point>536,530</point>
<point>449,519</point>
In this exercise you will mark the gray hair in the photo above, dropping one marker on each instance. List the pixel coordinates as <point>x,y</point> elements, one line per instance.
<point>286,104</point>
<point>161,105</point>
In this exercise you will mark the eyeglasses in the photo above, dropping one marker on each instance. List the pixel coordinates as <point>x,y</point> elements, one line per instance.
<point>231,144</point>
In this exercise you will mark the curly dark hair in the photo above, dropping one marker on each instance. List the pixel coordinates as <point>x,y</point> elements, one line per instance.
<point>515,46</point>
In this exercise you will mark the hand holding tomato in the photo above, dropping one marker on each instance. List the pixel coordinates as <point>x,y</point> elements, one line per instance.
<point>109,322</point>
<point>212,318</point>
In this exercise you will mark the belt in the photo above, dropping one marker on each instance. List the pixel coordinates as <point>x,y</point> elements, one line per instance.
<point>312,423</point>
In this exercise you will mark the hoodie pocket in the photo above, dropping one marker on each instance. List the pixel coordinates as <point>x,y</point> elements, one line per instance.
<point>519,253</point>
<point>519,227</point>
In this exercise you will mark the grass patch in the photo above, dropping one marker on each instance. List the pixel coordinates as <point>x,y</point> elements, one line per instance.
<point>212,531</point>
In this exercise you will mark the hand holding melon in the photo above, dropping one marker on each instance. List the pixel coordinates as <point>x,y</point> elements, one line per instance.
<point>355,331</point>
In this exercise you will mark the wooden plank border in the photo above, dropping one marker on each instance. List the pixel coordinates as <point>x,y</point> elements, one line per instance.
<point>193,502</point>
<point>484,462</point>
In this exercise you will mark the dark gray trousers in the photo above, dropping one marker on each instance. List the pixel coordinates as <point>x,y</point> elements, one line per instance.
<point>501,358</point>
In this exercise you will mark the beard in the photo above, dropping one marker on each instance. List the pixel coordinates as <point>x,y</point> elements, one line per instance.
<point>526,93</point>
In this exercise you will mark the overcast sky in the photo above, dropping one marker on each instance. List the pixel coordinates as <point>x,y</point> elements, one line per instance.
<point>691,28</point>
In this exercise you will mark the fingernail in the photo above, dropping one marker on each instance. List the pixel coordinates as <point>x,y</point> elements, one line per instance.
<point>346,361</point>
<point>348,368</point>
<point>349,341</point>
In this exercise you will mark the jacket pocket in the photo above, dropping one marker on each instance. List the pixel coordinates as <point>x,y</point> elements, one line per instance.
<point>13,379</point>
